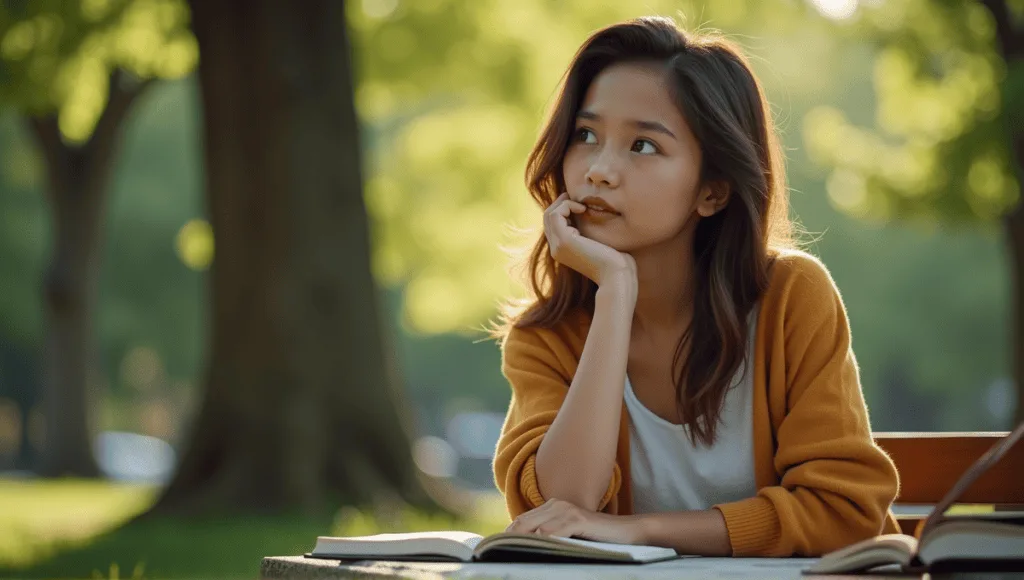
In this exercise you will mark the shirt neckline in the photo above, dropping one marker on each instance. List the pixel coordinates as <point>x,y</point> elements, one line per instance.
<point>649,413</point>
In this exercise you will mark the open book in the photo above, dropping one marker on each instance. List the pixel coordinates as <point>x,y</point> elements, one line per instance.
<point>468,547</point>
<point>992,541</point>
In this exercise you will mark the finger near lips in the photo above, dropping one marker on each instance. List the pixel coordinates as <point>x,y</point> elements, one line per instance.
<point>558,218</point>
<point>573,207</point>
<point>563,204</point>
<point>555,204</point>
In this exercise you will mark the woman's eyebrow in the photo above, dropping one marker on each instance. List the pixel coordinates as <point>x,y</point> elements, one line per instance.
<point>646,125</point>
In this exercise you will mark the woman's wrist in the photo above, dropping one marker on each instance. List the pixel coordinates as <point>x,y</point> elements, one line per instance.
<point>618,291</point>
<point>702,533</point>
<point>640,529</point>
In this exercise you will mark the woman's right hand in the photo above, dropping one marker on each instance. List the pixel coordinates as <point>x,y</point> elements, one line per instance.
<point>597,261</point>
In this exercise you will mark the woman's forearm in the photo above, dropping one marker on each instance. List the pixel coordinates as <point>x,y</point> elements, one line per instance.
<point>576,457</point>
<point>701,533</point>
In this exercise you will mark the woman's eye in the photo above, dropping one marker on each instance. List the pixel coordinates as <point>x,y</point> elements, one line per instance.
<point>585,135</point>
<point>646,147</point>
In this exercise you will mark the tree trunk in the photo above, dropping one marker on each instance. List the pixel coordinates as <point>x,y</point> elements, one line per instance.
<point>301,406</point>
<point>70,294</point>
<point>78,179</point>
<point>1010,43</point>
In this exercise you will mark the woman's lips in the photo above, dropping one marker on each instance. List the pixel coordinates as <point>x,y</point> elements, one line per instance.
<point>598,215</point>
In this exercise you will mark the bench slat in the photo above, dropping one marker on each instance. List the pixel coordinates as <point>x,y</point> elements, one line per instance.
<point>930,463</point>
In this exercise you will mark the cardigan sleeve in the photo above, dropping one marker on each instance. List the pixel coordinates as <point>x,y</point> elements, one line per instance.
<point>835,485</point>
<point>539,386</point>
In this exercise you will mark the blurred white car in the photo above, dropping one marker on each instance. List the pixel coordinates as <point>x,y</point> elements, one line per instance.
<point>125,456</point>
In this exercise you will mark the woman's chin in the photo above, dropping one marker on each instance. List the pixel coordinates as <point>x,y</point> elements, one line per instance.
<point>599,236</point>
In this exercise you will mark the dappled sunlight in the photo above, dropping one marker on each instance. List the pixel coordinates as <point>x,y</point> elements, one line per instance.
<point>95,10</point>
<point>848,192</point>
<point>859,153</point>
<point>379,8</point>
<point>20,38</point>
<point>194,244</point>
<point>488,134</point>
<point>375,102</point>
<point>992,187</point>
<point>85,83</point>
<point>911,103</point>
<point>455,300</point>
<point>435,304</point>
<point>836,9</point>
<point>151,40</point>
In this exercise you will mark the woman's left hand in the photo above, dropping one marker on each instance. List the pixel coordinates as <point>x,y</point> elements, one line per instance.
<point>561,518</point>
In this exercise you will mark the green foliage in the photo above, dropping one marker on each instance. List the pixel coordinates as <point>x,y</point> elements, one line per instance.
<point>58,55</point>
<point>939,148</point>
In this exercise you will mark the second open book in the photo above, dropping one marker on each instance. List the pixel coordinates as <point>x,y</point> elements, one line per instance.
<point>979,541</point>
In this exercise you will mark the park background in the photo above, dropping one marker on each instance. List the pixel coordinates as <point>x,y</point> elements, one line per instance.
<point>198,245</point>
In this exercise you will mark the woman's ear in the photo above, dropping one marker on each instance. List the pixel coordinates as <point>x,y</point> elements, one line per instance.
<point>713,197</point>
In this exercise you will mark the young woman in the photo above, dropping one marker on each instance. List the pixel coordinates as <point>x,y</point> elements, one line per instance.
<point>682,378</point>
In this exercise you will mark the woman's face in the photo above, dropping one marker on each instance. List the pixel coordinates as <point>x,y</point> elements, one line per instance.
<point>633,149</point>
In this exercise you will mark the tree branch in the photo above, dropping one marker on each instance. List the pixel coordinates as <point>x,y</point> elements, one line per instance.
<point>1011,40</point>
<point>123,92</point>
<point>56,153</point>
<point>47,134</point>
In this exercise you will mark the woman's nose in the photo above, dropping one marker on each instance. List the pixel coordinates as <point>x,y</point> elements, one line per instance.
<point>603,170</point>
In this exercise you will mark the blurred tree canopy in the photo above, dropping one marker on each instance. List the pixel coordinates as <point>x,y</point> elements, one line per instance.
<point>59,57</point>
<point>948,140</point>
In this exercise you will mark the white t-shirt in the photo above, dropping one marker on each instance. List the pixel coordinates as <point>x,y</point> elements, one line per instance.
<point>669,474</point>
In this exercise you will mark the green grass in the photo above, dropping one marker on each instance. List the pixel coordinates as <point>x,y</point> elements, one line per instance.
<point>38,517</point>
<point>75,529</point>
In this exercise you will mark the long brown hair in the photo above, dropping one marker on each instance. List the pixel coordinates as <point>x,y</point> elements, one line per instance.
<point>723,102</point>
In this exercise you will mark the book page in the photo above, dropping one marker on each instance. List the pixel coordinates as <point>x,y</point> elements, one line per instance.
<point>455,544</point>
<point>973,540</point>
<point>881,550</point>
<point>637,552</point>
<point>466,538</point>
<point>572,546</point>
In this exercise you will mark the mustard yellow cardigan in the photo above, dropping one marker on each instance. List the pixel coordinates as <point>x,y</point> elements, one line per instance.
<point>822,482</point>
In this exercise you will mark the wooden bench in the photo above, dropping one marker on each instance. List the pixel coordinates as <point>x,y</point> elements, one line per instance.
<point>930,463</point>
